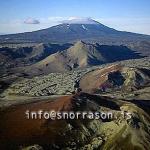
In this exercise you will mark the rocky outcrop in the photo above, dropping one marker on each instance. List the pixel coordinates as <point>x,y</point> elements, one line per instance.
<point>82,134</point>
<point>114,77</point>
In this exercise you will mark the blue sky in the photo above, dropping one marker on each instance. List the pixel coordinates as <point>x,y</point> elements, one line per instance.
<point>29,15</point>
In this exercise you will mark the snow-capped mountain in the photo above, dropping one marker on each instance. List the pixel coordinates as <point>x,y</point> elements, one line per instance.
<point>73,30</point>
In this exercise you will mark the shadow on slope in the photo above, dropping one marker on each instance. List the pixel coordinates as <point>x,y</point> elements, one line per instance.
<point>33,53</point>
<point>143,104</point>
<point>117,53</point>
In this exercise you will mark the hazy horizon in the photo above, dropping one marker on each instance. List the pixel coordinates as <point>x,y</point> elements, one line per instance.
<point>24,16</point>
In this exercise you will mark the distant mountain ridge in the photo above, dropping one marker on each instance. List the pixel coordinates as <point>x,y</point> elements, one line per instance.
<point>81,55</point>
<point>74,30</point>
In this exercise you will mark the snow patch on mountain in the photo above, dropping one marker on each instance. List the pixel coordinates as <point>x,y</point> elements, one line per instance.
<point>84,27</point>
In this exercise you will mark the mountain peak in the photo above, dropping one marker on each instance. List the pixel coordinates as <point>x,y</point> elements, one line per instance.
<point>79,45</point>
<point>80,42</point>
<point>80,20</point>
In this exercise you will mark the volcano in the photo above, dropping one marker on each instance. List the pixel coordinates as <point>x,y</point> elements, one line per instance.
<point>74,30</point>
